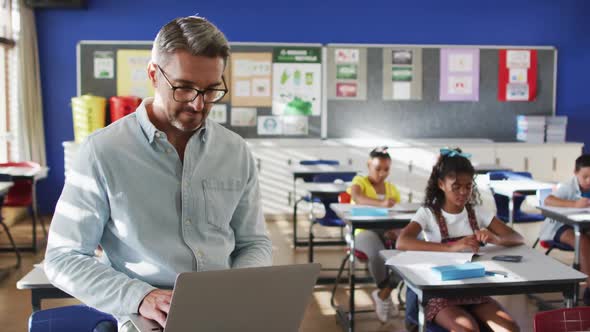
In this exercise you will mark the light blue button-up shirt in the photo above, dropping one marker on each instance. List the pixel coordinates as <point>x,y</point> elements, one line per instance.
<point>568,190</point>
<point>153,215</point>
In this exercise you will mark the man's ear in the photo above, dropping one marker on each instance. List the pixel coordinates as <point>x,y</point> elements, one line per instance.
<point>152,71</point>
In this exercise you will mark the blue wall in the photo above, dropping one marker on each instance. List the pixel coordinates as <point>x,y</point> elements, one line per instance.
<point>562,23</point>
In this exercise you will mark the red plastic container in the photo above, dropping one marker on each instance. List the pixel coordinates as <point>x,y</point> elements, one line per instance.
<point>122,105</point>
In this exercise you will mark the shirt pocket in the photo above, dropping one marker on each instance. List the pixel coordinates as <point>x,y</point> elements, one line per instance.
<point>221,199</point>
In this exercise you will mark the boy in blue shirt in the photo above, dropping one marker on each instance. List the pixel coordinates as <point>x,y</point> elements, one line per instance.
<point>573,193</point>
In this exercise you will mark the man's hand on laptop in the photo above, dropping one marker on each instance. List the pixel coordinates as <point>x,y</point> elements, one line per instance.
<point>155,305</point>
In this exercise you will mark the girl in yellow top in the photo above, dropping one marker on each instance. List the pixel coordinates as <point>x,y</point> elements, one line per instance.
<point>374,190</point>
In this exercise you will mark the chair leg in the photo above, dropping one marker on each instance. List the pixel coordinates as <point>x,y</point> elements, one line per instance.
<point>295,221</point>
<point>548,251</point>
<point>536,242</point>
<point>18,258</point>
<point>337,281</point>
<point>310,251</point>
<point>34,231</point>
<point>295,225</point>
<point>43,227</point>
<point>400,288</point>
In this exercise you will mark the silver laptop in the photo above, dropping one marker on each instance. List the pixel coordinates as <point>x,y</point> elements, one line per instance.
<point>253,299</point>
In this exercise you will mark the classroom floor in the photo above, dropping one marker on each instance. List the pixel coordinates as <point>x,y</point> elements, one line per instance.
<point>15,306</point>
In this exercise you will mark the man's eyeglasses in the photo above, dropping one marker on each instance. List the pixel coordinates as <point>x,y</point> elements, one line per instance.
<point>185,94</point>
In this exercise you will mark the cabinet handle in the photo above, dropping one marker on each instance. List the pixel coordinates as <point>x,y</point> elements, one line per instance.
<point>289,162</point>
<point>258,164</point>
<point>410,166</point>
<point>497,161</point>
<point>554,164</point>
<point>289,198</point>
<point>350,161</point>
<point>526,164</point>
<point>410,197</point>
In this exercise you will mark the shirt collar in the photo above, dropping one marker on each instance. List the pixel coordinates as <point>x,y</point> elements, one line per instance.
<point>151,131</point>
<point>578,191</point>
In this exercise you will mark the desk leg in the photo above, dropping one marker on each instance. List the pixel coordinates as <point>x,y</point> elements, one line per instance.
<point>35,300</point>
<point>577,234</point>
<point>294,199</point>
<point>421,316</point>
<point>570,296</point>
<point>511,211</point>
<point>351,279</point>
<point>34,215</point>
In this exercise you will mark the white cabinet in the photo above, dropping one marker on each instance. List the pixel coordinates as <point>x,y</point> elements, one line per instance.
<point>411,166</point>
<point>276,182</point>
<point>522,157</point>
<point>563,161</point>
<point>481,154</point>
<point>546,162</point>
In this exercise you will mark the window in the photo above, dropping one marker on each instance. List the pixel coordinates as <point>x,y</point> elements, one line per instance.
<point>8,76</point>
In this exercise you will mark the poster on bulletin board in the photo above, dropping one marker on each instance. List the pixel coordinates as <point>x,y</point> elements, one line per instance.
<point>251,79</point>
<point>517,75</point>
<point>297,81</point>
<point>459,74</point>
<point>402,73</point>
<point>132,79</point>
<point>347,73</point>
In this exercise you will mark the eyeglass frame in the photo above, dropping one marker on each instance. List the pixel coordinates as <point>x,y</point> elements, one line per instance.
<point>199,92</point>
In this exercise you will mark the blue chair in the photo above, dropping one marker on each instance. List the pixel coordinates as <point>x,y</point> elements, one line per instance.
<point>412,314</point>
<point>502,201</point>
<point>330,219</point>
<point>308,198</point>
<point>76,318</point>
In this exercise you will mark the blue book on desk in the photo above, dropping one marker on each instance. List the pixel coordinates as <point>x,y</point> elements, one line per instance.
<point>459,271</point>
<point>368,212</point>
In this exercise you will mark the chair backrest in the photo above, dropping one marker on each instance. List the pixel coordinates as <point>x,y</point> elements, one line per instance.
<point>331,177</point>
<point>509,175</point>
<point>21,193</point>
<point>563,320</point>
<point>70,318</point>
<point>319,162</point>
<point>28,164</point>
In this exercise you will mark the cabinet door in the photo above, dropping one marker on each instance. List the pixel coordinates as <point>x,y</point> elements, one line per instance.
<point>400,171</point>
<point>538,161</point>
<point>275,179</point>
<point>511,156</point>
<point>534,158</point>
<point>481,154</point>
<point>564,161</point>
<point>422,159</point>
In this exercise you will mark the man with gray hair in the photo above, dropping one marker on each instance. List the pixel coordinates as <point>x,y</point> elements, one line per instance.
<point>162,191</point>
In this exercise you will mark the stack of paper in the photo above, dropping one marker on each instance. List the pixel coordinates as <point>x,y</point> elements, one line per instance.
<point>428,259</point>
<point>530,129</point>
<point>556,129</point>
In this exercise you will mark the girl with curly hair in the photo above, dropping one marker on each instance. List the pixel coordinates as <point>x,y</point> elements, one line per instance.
<point>452,221</point>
